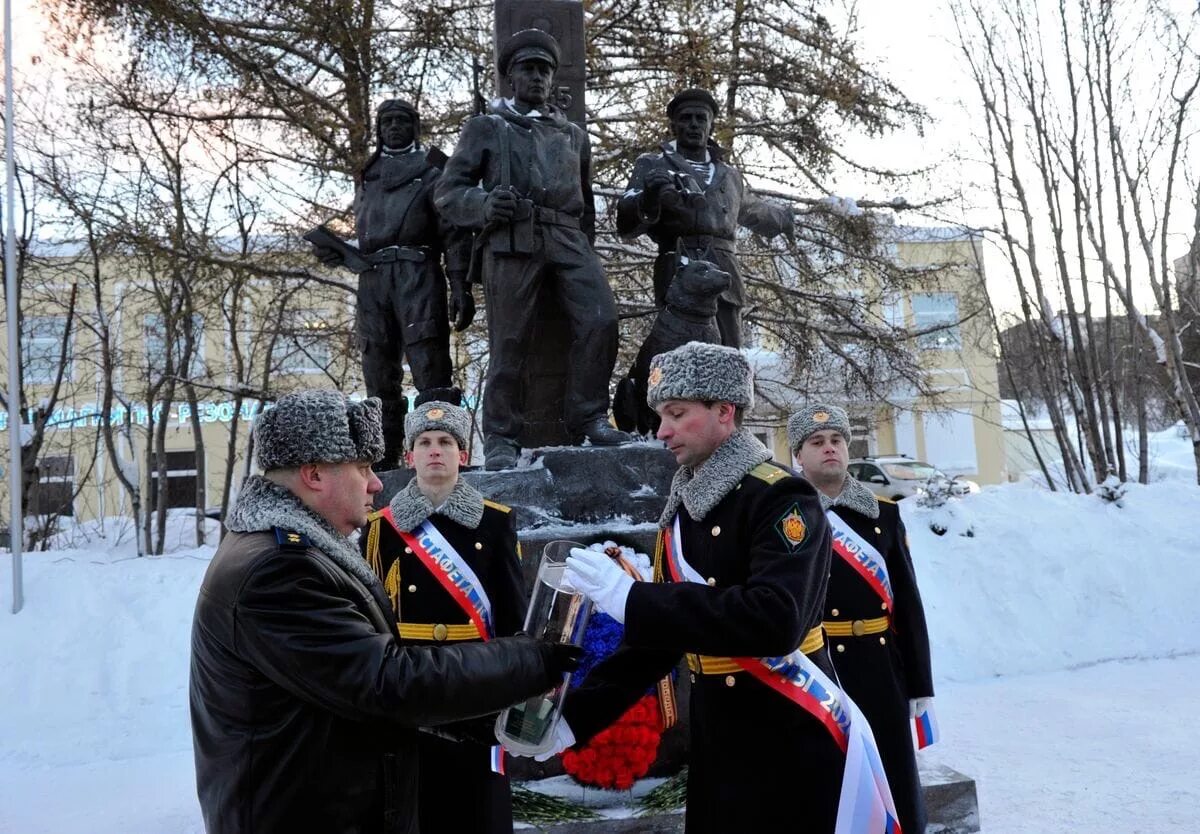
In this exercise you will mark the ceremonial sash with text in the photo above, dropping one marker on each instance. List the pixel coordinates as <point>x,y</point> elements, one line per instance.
<point>865,805</point>
<point>452,572</point>
<point>861,555</point>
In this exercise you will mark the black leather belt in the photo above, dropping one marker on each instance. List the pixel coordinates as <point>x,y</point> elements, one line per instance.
<point>553,217</point>
<point>391,254</point>
<point>706,242</point>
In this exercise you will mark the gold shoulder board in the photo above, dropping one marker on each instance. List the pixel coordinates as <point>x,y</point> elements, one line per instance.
<point>769,472</point>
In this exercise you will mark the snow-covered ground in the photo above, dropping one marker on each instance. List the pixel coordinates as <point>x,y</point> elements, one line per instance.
<point>1066,650</point>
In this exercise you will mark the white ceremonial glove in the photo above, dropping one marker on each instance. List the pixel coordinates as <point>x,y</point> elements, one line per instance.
<point>600,579</point>
<point>563,738</point>
<point>916,706</point>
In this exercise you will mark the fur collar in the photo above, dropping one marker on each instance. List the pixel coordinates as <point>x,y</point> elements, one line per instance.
<point>854,496</point>
<point>263,505</point>
<point>410,507</point>
<point>702,489</point>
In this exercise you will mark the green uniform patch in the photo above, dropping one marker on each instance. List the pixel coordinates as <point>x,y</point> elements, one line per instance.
<point>792,528</point>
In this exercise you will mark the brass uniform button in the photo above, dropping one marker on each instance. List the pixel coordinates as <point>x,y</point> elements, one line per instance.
<point>716,531</point>
<point>833,612</point>
<point>440,632</point>
<point>408,550</point>
<point>730,680</point>
<point>692,675</point>
<point>412,589</point>
<point>858,628</point>
<point>877,530</point>
<point>883,605</point>
<point>479,545</point>
<point>883,641</point>
<point>841,647</point>
<point>712,582</point>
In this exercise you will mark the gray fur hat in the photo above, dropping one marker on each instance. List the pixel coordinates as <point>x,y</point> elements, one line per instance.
<point>436,415</point>
<point>318,427</point>
<point>816,417</point>
<point>700,371</point>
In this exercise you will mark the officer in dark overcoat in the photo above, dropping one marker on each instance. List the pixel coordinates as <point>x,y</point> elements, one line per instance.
<point>304,702</point>
<point>521,175</point>
<point>691,203</point>
<point>755,541</point>
<point>461,788</point>
<point>402,309</point>
<point>876,628</point>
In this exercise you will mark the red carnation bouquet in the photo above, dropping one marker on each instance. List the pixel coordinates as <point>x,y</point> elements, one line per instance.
<point>620,755</point>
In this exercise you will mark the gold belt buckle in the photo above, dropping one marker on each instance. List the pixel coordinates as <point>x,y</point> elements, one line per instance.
<point>440,632</point>
<point>858,628</point>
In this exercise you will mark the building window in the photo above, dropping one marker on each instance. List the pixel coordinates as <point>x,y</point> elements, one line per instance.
<point>156,345</point>
<point>931,310</point>
<point>41,338</point>
<point>181,480</point>
<point>54,491</point>
<point>303,343</point>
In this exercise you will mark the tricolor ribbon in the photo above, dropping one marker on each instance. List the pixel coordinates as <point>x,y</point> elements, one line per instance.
<point>925,729</point>
<point>497,762</point>
<point>861,555</point>
<point>453,573</point>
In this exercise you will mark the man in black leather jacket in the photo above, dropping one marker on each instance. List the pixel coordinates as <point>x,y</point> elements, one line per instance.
<point>304,704</point>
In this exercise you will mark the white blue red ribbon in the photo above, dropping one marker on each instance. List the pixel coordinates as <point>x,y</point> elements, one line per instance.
<point>925,729</point>
<point>497,761</point>
<point>865,805</point>
<point>453,573</point>
<point>861,555</point>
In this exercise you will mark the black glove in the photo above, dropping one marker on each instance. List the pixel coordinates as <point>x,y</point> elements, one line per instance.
<point>561,657</point>
<point>462,302</point>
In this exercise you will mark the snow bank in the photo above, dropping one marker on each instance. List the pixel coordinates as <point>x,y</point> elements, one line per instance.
<point>1053,581</point>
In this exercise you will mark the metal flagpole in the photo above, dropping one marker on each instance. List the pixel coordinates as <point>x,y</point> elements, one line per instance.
<point>16,526</point>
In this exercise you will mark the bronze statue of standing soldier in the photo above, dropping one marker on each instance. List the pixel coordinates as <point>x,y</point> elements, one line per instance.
<point>691,202</point>
<point>402,308</point>
<point>520,175</point>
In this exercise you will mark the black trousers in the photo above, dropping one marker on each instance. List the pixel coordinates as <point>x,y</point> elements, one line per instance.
<point>563,258</point>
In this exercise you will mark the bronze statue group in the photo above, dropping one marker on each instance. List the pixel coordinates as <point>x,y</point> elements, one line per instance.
<point>343,686</point>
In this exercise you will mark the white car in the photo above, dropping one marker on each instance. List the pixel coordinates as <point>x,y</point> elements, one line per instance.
<point>897,477</point>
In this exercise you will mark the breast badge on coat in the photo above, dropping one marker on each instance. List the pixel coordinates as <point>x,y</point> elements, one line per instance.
<point>792,528</point>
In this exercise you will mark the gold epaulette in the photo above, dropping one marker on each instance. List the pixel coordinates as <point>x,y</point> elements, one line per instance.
<point>372,553</point>
<point>496,505</point>
<point>769,472</point>
<point>659,542</point>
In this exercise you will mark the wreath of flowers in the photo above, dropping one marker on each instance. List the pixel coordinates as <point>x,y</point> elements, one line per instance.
<point>621,754</point>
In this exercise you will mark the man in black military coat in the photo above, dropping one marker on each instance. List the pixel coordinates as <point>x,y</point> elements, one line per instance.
<point>521,176</point>
<point>757,558</point>
<point>691,202</point>
<point>873,613</point>
<point>435,522</point>
<point>304,703</point>
<point>402,310</point>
